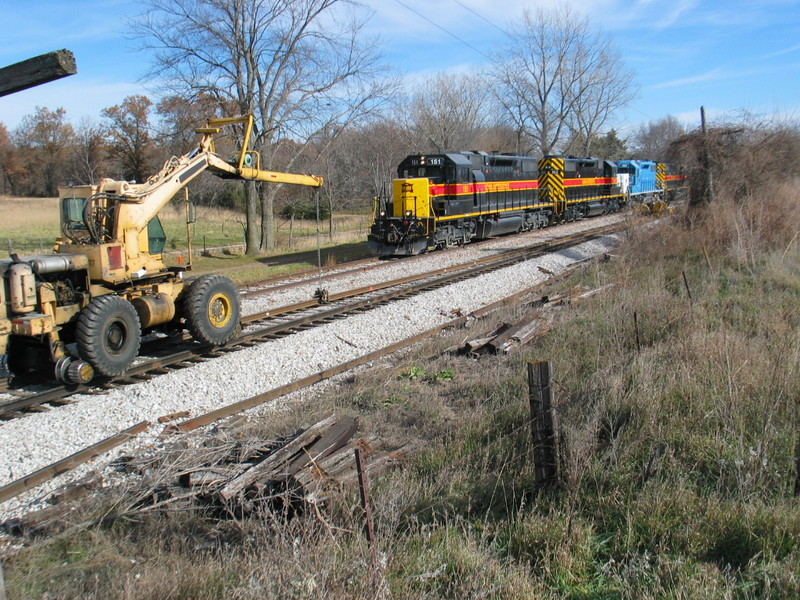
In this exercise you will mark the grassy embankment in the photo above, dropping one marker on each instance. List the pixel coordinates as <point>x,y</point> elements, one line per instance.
<point>679,469</point>
<point>30,226</point>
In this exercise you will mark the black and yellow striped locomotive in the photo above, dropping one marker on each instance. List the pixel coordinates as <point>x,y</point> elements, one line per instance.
<point>442,200</point>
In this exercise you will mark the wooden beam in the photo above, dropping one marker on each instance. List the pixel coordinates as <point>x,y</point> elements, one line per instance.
<point>35,71</point>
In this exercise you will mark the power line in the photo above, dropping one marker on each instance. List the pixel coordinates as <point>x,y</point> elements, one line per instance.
<point>480,16</point>
<point>451,34</point>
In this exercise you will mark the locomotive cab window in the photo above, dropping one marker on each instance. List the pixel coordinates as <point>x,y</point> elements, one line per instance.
<point>431,172</point>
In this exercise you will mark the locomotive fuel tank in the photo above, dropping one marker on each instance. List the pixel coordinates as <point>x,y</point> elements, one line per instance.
<point>493,227</point>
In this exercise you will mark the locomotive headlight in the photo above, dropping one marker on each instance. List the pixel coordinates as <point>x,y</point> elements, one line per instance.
<point>383,213</point>
<point>409,213</point>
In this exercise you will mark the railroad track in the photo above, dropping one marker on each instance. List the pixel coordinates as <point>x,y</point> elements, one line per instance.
<point>282,321</point>
<point>247,291</point>
<point>49,472</point>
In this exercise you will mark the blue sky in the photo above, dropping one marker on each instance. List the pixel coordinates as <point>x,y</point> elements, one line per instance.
<point>727,56</point>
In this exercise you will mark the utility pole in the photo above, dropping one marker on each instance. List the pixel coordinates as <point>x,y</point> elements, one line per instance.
<point>708,180</point>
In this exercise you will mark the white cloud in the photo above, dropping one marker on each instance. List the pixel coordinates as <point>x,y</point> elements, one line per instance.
<point>712,75</point>
<point>782,52</point>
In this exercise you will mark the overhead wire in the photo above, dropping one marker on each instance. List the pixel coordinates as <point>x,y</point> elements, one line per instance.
<point>450,33</point>
<point>480,16</point>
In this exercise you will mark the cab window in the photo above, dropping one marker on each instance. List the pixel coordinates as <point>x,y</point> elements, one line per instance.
<point>156,238</point>
<point>72,210</point>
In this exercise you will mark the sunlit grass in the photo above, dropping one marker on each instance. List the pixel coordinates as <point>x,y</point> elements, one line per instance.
<point>678,452</point>
<point>31,225</point>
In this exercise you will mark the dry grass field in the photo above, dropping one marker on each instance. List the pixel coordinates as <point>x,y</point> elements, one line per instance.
<point>28,224</point>
<point>679,450</point>
<point>31,225</point>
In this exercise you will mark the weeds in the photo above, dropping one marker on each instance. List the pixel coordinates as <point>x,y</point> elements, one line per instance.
<point>679,454</point>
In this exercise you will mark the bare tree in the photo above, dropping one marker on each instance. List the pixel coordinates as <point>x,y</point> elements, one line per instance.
<point>87,156</point>
<point>652,141</point>
<point>555,77</point>
<point>298,65</point>
<point>362,162</point>
<point>449,113</point>
<point>605,87</point>
<point>179,118</point>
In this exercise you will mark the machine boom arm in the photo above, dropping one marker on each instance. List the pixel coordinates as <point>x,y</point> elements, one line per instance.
<point>142,202</point>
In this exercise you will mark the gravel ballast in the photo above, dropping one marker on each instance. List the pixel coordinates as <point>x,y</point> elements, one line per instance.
<point>33,442</point>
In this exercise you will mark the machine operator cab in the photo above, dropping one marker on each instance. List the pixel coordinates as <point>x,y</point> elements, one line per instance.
<point>89,216</point>
<point>80,225</point>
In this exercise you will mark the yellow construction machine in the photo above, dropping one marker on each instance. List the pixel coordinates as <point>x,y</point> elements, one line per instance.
<point>83,310</point>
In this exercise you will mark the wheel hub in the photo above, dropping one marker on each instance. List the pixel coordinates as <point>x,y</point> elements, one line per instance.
<point>219,310</point>
<point>115,338</point>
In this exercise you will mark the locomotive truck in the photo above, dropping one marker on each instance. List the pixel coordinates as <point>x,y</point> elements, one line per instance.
<point>83,310</point>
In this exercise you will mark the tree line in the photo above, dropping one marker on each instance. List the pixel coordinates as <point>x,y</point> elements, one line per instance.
<point>326,103</point>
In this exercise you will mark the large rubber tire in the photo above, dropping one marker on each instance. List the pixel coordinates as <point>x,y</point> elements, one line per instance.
<point>108,334</point>
<point>211,309</point>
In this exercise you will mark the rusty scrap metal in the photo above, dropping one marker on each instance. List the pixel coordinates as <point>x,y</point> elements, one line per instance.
<point>52,471</point>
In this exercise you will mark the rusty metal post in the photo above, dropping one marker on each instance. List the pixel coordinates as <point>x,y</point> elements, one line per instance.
<point>2,583</point>
<point>363,486</point>
<point>797,468</point>
<point>686,284</point>
<point>189,221</point>
<point>540,394</point>
<point>636,329</point>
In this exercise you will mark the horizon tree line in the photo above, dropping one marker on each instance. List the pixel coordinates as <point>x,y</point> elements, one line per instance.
<point>325,102</point>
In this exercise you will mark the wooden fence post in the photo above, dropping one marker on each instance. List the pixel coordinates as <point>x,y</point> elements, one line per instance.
<point>363,485</point>
<point>543,424</point>
<point>686,283</point>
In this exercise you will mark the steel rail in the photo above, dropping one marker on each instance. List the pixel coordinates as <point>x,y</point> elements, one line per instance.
<point>253,401</point>
<point>15,488</point>
<point>51,471</point>
<point>265,286</point>
<point>427,281</point>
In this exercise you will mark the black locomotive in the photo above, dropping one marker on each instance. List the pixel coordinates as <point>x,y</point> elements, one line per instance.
<point>442,200</point>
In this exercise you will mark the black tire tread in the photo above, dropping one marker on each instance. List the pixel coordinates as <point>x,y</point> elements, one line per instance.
<point>195,309</point>
<point>88,336</point>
